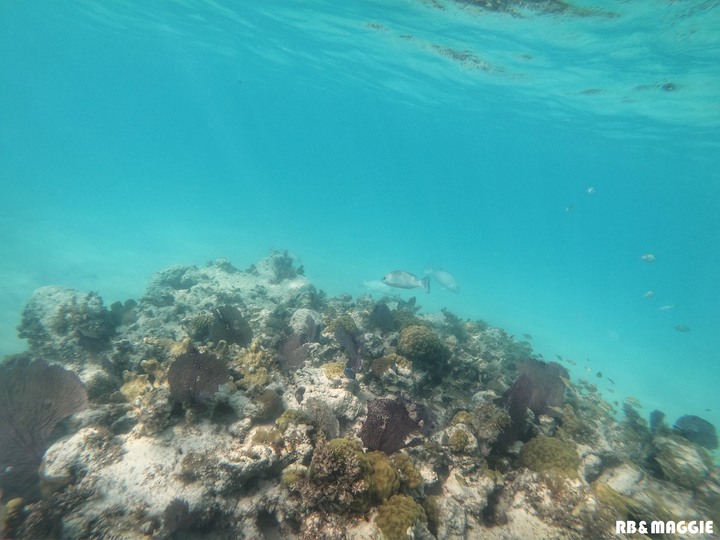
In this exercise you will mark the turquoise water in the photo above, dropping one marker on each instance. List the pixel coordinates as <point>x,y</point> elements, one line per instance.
<point>373,136</point>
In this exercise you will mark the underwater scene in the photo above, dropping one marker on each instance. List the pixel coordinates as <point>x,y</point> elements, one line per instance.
<point>401,269</point>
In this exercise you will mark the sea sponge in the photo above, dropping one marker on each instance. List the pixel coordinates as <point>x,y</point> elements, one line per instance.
<point>398,514</point>
<point>550,454</point>
<point>425,349</point>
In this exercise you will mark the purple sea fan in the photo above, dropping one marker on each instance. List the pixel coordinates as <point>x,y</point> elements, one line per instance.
<point>539,387</point>
<point>34,398</point>
<point>392,424</point>
<point>194,377</point>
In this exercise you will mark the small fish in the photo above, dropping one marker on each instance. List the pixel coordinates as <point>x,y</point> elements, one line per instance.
<point>599,374</point>
<point>609,379</point>
<point>528,337</point>
<point>648,258</point>
<point>649,294</point>
<point>682,328</point>
<point>444,278</point>
<point>406,280</point>
<point>590,190</point>
<point>376,286</point>
<point>571,362</point>
<point>635,402</point>
<point>666,307</point>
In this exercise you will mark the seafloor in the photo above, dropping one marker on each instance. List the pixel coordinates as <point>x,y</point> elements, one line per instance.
<point>232,403</point>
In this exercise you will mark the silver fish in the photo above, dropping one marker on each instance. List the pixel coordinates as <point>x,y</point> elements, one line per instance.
<point>649,294</point>
<point>445,279</point>
<point>648,258</point>
<point>406,280</point>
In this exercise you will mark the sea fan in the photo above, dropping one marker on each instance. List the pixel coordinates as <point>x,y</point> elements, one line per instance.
<point>34,398</point>
<point>393,424</point>
<point>194,377</point>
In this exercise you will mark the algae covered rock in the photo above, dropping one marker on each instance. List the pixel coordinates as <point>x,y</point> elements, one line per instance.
<point>682,462</point>
<point>64,324</point>
<point>550,454</point>
<point>341,478</point>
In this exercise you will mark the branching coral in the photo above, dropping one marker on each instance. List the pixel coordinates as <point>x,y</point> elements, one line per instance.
<point>34,398</point>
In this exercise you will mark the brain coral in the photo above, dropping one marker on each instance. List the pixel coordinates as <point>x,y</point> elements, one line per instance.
<point>423,346</point>
<point>550,454</point>
<point>398,514</point>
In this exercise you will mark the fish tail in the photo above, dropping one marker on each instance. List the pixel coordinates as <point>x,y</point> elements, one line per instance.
<point>425,282</point>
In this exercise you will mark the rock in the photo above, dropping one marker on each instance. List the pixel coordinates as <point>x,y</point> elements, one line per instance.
<point>682,462</point>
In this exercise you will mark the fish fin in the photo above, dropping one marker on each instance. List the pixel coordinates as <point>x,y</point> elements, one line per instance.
<point>425,282</point>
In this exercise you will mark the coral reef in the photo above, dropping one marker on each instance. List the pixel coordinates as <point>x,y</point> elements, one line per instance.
<point>307,416</point>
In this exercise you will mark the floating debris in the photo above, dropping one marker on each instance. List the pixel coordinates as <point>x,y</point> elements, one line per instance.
<point>648,258</point>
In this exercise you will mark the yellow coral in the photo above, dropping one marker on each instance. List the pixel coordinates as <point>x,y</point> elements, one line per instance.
<point>398,515</point>
<point>134,385</point>
<point>549,454</point>
<point>333,370</point>
<point>383,478</point>
<point>409,475</point>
